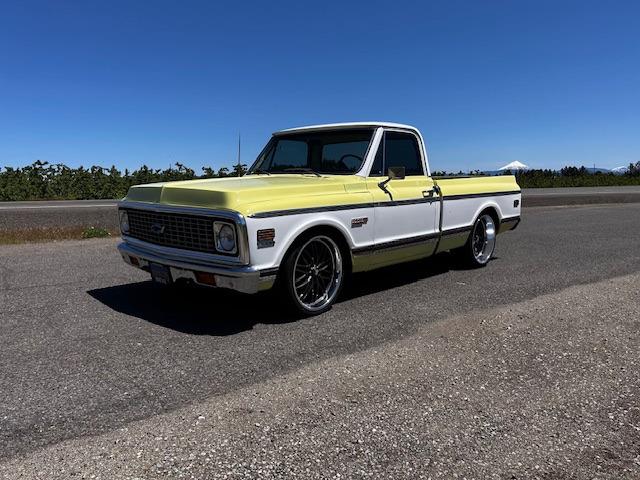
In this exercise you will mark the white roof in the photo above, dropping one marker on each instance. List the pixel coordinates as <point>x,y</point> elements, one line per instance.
<point>516,165</point>
<point>333,126</point>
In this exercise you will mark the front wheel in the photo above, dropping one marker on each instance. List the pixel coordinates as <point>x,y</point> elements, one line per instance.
<point>313,274</point>
<point>481,243</point>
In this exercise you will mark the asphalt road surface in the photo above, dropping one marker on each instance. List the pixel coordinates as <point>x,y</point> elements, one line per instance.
<point>55,204</point>
<point>542,197</point>
<point>58,214</point>
<point>538,192</point>
<point>102,213</point>
<point>527,192</point>
<point>525,368</point>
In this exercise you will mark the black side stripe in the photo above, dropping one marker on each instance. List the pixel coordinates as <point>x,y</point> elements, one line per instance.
<point>413,201</point>
<point>356,206</point>
<point>510,219</point>
<point>479,195</point>
<point>455,231</point>
<point>403,242</point>
<point>336,208</point>
<point>267,272</point>
<point>513,222</point>
<point>299,211</point>
<point>409,241</point>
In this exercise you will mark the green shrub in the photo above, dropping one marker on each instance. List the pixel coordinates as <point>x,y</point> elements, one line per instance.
<point>95,232</point>
<point>44,181</point>
<point>575,177</point>
<point>568,177</point>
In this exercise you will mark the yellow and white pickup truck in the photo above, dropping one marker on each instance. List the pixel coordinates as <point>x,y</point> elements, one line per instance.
<point>319,203</point>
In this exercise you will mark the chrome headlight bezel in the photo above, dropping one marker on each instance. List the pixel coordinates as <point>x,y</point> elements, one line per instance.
<point>221,231</point>
<point>123,220</point>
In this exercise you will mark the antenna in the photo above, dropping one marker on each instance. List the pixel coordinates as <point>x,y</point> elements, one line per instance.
<point>238,149</point>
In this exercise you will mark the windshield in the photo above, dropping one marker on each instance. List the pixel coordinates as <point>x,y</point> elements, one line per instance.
<point>337,152</point>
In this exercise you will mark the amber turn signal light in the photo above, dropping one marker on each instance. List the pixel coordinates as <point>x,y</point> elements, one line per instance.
<point>206,278</point>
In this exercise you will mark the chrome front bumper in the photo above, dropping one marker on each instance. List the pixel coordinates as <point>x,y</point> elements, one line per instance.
<point>245,279</point>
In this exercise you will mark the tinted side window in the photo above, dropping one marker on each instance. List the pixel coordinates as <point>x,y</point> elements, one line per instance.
<point>377,169</point>
<point>401,150</point>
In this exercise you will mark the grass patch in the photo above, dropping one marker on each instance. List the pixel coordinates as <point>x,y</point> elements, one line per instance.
<point>95,232</point>
<point>38,235</point>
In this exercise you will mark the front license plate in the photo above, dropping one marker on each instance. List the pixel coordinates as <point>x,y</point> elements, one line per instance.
<point>160,274</point>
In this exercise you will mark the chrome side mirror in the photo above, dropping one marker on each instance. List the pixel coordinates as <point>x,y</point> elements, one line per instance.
<point>393,173</point>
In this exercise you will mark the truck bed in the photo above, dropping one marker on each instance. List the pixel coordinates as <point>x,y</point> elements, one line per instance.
<point>476,185</point>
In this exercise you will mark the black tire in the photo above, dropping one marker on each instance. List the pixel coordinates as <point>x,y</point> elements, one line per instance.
<point>481,244</point>
<point>313,274</point>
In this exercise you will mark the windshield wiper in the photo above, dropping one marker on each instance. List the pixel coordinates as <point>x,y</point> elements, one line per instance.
<point>302,170</point>
<point>260,171</point>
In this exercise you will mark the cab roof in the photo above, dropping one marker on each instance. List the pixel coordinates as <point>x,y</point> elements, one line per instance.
<point>337,126</point>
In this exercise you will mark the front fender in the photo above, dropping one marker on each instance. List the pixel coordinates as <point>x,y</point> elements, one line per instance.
<point>307,225</point>
<point>290,228</point>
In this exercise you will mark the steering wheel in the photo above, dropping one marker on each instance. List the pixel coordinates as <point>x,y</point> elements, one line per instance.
<point>358,159</point>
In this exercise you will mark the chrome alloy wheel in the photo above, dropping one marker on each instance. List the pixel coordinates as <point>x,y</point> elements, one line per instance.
<point>317,273</point>
<point>483,240</point>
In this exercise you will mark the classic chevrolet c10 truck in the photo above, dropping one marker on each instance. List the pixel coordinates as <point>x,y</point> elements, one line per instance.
<point>319,203</point>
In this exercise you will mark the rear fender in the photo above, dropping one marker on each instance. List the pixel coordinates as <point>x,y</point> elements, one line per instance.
<point>489,204</point>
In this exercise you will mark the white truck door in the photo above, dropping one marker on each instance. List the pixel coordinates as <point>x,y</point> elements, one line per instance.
<point>406,225</point>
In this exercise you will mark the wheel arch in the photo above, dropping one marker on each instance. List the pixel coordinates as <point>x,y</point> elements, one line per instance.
<point>492,212</point>
<point>333,229</point>
<point>465,252</point>
<point>492,209</point>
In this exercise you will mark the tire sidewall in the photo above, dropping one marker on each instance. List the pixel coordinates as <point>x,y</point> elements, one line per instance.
<point>471,257</point>
<point>286,276</point>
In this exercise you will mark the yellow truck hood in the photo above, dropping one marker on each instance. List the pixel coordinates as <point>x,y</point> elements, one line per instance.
<point>255,193</point>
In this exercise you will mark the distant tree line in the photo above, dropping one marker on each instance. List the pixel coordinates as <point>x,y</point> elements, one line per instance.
<point>45,181</point>
<point>566,177</point>
<point>578,177</point>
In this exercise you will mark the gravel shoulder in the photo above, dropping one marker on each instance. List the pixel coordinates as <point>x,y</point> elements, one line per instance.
<point>544,388</point>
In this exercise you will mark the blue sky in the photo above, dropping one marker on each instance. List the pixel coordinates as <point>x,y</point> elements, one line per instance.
<point>549,83</point>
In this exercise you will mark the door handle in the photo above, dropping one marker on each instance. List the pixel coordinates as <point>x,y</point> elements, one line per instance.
<point>428,193</point>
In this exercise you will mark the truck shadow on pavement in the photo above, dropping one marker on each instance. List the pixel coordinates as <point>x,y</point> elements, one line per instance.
<point>192,309</point>
<point>198,310</point>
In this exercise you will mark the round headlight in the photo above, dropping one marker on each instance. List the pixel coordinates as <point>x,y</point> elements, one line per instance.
<point>124,222</point>
<point>226,238</point>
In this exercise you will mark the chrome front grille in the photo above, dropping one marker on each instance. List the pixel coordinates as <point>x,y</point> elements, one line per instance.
<point>188,232</point>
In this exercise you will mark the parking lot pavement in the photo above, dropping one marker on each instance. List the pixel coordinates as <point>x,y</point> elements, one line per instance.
<point>545,388</point>
<point>90,347</point>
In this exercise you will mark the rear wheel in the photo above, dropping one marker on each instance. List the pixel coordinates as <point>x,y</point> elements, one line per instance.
<point>481,243</point>
<point>313,274</point>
